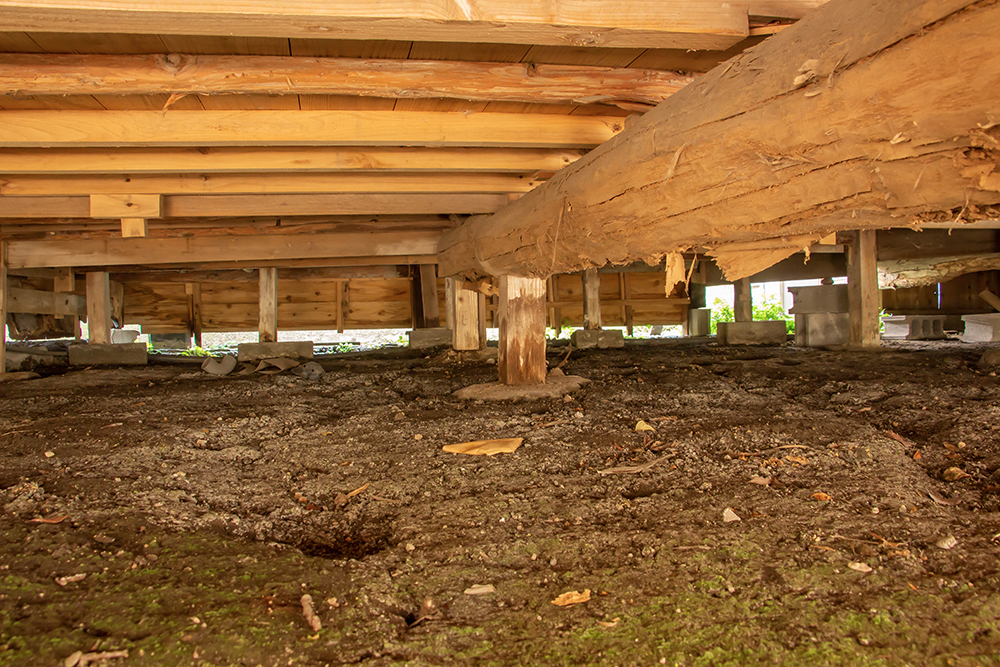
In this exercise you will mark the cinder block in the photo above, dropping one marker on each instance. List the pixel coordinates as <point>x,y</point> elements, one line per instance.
<point>93,354</point>
<point>700,322</point>
<point>170,341</point>
<point>420,338</point>
<point>913,327</point>
<point>981,328</point>
<point>765,332</point>
<point>819,299</point>
<point>583,339</point>
<point>821,329</point>
<point>292,350</point>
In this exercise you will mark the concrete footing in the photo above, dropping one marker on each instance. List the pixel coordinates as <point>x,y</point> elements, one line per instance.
<point>699,322</point>
<point>556,385</point>
<point>822,329</point>
<point>767,332</point>
<point>984,328</point>
<point>93,354</point>
<point>583,339</point>
<point>291,350</point>
<point>913,327</point>
<point>421,338</point>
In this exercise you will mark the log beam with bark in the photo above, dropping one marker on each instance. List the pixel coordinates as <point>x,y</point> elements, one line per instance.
<point>807,134</point>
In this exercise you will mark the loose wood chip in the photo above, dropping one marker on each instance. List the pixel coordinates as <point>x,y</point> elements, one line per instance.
<point>821,497</point>
<point>480,589</point>
<point>643,426</point>
<point>572,597</point>
<point>761,481</point>
<point>859,567</point>
<point>485,447</point>
<point>48,519</point>
<point>311,618</point>
<point>358,490</point>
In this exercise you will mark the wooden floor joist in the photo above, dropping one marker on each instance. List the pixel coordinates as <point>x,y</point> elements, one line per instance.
<point>693,24</point>
<point>175,74</point>
<point>785,144</point>
<point>44,129</point>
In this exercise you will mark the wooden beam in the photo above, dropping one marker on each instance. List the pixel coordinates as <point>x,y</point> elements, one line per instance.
<point>465,328</point>
<point>116,205</point>
<point>591,299</point>
<point>522,331</point>
<point>193,293</point>
<point>42,129</point>
<point>98,308</point>
<point>990,298</point>
<point>863,292</point>
<point>719,162</point>
<point>742,300</point>
<point>45,303</point>
<point>267,288</point>
<point>326,274</point>
<point>111,185</point>
<point>134,228</point>
<point>694,24</point>
<point>175,74</point>
<point>430,307</point>
<point>195,206</point>
<point>3,306</point>
<point>153,251</point>
<point>904,273</point>
<point>269,159</point>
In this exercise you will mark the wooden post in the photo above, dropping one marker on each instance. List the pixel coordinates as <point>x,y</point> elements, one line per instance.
<point>862,289</point>
<point>465,325</point>
<point>267,287</point>
<point>449,304</point>
<point>429,296</point>
<point>482,321</point>
<point>522,330</point>
<point>193,291</point>
<point>591,299</point>
<point>742,301</point>
<point>342,305</point>
<point>3,307</point>
<point>99,308</point>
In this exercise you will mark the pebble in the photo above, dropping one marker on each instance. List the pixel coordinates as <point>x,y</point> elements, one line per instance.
<point>946,542</point>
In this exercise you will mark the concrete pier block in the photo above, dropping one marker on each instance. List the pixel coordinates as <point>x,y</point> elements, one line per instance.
<point>291,350</point>
<point>699,322</point>
<point>822,329</point>
<point>583,339</point>
<point>913,327</point>
<point>819,299</point>
<point>767,332</point>
<point>981,328</point>
<point>420,338</point>
<point>94,354</point>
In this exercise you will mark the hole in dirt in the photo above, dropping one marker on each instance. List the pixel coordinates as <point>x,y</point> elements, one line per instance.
<point>352,544</point>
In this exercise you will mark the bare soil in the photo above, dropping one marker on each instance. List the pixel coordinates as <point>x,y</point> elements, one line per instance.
<point>202,509</point>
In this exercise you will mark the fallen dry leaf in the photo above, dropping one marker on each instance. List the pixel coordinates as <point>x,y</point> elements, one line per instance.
<point>941,500</point>
<point>898,438</point>
<point>610,624</point>
<point>859,567</point>
<point>729,516</point>
<point>572,597</point>
<point>480,589</point>
<point>643,426</point>
<point>797,459</point>
<point>358,490</point>
<point>485,447</point>
<point>917,455</point>
<point>955,474</point>
<point>821,497</point>
<point>48,519</point>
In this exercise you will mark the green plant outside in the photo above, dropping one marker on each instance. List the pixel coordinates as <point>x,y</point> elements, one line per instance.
<point>769,309</point>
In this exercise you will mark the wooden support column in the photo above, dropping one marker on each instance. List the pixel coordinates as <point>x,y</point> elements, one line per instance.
<point>449,304</point>
<point>3,307</point>
<point>591,299</point>
<point>482,320</point>
<point>862,290</point>
<point>65,282</point>
<point>342,304</point>
<point>193,291</point>
<point>465,326</point>
<point>99,308</point>
<point>268,298</point>
<point>522,330</point>
<point>429,297</point>
<point>742,301</point>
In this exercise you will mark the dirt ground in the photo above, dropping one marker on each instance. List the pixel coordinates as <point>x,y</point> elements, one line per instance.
<point>199,510</point>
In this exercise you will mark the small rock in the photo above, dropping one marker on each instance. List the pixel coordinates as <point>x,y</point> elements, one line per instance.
<point>946,542</point>
<point>728,515</point>
<point>860,567</point>
<point>578,415</point>
<point>49,455</point>
<point>410,547</point>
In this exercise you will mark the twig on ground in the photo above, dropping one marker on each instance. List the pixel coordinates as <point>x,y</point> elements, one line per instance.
<point>629,470</point>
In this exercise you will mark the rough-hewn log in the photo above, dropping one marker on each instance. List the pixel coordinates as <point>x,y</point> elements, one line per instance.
<point>45,303</point>
<point>902,273</point>
<point>522,330</point>
<point>693,24</point>
<point>41,129</point>
<point>175,74</point>
<point>863,293</point>
<point>786,141</point>
<point>98,308</point>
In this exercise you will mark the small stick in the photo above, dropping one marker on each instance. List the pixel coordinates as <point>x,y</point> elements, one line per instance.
<point>628,470</point>
<point>311,618</point>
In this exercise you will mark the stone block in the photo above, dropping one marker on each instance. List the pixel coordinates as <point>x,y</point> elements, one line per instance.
<point>819,299</point>
<point>583,339</point>
<point>765,332</point>
<point>700,322</point>
<point>121,336</point>
<point>421,338</point>
<point>170,341</point>
<point>94,354</point>
<point>290,350</point>
<point>913,327</point>
<point>981,328</point>
<point>822,329</point>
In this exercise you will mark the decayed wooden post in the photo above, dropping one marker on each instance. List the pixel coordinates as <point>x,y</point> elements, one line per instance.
<point>99,308</point>
<point>591,299</point>
<point>268,299</point>
<point>862,290</point>
<point>3,307</point>
<point>742,301</point>
<point>522,330</point>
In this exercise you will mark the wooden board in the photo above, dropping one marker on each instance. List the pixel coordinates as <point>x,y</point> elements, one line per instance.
<point>45,303</point>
